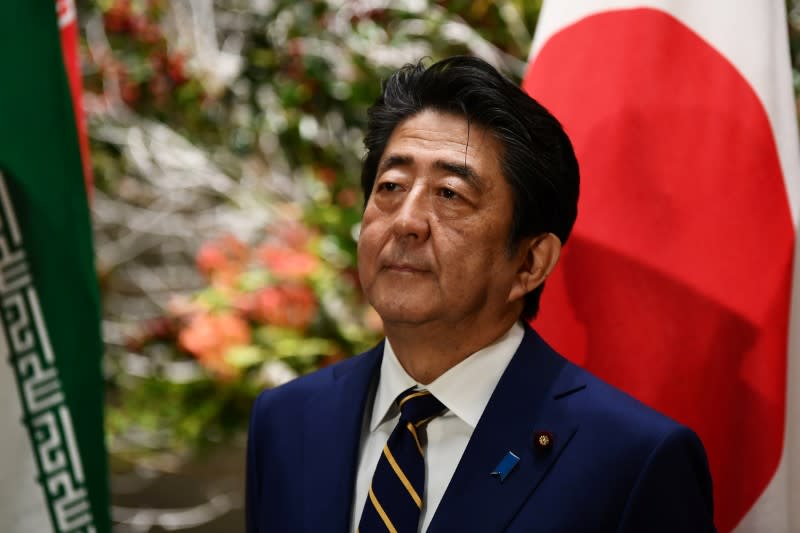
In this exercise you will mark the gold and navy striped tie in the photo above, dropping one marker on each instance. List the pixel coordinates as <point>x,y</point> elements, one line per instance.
<point>394,502</point>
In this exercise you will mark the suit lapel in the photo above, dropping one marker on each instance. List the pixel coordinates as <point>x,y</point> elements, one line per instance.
<point>332,431</point>
<point>525,401</point>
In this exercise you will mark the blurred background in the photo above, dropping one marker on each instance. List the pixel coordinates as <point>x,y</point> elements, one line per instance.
<point>226,140</point>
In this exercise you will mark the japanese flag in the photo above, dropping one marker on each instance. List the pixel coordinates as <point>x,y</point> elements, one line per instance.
<point>681,281</point>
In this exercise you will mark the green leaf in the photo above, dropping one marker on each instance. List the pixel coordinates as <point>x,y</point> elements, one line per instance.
<point>244,356</point>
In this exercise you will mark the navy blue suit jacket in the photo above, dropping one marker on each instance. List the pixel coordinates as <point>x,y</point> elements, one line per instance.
<point>614,464</point>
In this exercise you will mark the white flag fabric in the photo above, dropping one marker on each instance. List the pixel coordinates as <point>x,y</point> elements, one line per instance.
<point>681,281</point>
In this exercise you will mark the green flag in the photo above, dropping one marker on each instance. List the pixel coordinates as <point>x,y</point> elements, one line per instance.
<point>53,471</point>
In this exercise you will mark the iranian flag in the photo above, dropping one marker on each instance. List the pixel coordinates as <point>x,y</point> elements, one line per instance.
<point>681,283</point>
<point>53,473</point>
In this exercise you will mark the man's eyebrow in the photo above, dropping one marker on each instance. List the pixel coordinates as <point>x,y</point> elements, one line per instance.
<point>393,161</point>
<point>466,172</point>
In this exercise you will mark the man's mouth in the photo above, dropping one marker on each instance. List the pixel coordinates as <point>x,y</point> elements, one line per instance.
<point>405,267</point>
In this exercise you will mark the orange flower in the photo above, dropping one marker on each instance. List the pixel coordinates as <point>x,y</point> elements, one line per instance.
<point>294,234</point>
<point>327,175</point>
<point>224,254</point>
<point>347,197</point>
<point>292,306</point>
<point>210,258</point>
<point>286,263</point>
<point>208,337</point>
<point>244,303</point>
<point>222,260</point>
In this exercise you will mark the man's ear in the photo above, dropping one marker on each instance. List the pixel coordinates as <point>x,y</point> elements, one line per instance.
<point>539,256</point>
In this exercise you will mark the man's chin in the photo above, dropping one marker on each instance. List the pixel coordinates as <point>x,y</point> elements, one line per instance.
<point>404,315</point>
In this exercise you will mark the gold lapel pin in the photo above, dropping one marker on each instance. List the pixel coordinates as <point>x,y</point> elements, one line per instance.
<point>543,440</point>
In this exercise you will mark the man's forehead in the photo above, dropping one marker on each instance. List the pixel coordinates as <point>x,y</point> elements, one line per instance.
<point>439,130</point>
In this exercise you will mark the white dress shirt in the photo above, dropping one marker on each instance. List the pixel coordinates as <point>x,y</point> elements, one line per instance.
<point>465,390</point>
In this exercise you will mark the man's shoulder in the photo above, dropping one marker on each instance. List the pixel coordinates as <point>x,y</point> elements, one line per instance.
<point>607,410</point>
<point>608,404</point>
<point>289,399</point>
<point>629,466</point>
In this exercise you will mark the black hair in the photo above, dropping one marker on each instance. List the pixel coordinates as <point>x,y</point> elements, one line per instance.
<point>537,158</point>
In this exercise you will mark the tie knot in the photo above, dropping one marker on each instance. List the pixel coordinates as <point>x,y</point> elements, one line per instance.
<point>419,406</point>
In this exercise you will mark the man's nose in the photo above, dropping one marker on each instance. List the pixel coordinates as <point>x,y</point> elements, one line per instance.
<point>413,217</point>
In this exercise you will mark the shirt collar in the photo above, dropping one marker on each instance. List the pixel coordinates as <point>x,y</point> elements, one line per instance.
<point>464,389</point>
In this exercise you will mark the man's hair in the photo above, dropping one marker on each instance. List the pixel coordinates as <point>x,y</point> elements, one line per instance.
<point>537,158</point>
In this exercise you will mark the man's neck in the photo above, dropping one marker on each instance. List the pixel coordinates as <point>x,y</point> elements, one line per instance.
<point>428,351</point>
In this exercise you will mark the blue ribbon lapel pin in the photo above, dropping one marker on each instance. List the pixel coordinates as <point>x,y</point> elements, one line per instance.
<point>505,466</point>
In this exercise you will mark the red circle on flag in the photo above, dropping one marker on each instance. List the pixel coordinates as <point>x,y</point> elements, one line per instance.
<point>675,283</point>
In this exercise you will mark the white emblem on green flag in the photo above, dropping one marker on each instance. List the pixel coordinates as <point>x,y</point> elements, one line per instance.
<point>45,413</point>
<point>53,466</point>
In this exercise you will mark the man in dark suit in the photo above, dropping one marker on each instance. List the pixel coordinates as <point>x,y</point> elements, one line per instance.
<point>463,418</point>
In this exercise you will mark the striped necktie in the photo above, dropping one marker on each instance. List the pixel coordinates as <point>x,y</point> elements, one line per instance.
<point>394,502</point>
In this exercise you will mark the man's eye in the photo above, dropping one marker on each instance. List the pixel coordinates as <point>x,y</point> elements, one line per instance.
<point>448,194</point>
<point>387,186</point>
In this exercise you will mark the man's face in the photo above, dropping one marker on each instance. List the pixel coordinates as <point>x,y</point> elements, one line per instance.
<point>433,243</point>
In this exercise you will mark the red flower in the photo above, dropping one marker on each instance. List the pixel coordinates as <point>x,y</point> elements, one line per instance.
<point>347,197</point>
<point>160,88</point>
<point>176,69</point>
<point>208,337</point>
<point>287,263</point>
<point>210,258</point>
<point>160,328</point>
<point>227,255</point>
<point>291,306</point>
<point>117,19</point>
<point>327,175</point>
<point>130,91</point>
<point>155,329</point>
<point>294,235</point>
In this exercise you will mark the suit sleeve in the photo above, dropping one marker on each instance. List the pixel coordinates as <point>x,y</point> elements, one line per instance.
<point>673,491</point>
<point>253,481</point>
